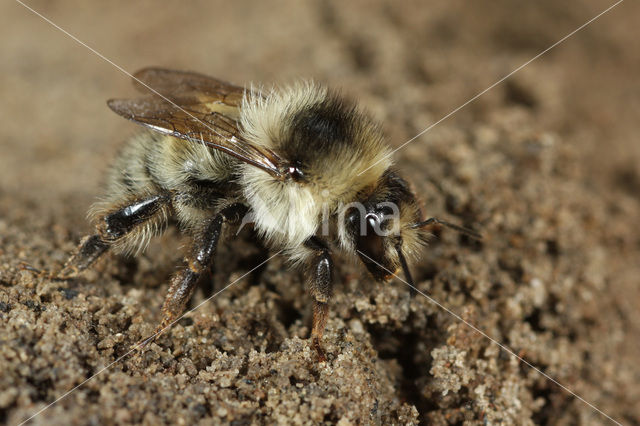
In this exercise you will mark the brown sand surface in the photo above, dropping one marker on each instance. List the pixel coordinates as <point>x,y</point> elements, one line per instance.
<point>546,164</point>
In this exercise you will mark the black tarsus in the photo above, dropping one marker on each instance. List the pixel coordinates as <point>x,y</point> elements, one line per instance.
<point>111,227</point>
<point>91,248</point>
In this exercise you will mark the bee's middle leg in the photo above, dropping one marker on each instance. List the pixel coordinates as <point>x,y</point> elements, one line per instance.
<point>321,288</point>
<point>113,226</point>
<point>198,260</point>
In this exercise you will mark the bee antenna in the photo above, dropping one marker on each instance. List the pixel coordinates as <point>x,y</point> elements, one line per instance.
<point>407,272</point>
<point>466,231</point>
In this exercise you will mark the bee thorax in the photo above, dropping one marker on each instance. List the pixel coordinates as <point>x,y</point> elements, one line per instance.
<point>284,213</point>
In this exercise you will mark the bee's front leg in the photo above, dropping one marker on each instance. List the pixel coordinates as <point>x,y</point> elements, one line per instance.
<point>320,271</point>
<point>197,262</point>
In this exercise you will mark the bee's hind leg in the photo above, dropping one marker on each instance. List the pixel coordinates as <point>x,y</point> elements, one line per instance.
<point>197,262</point>
<point>90,249</point>
<point>321,288</point>
<point>113,226</point>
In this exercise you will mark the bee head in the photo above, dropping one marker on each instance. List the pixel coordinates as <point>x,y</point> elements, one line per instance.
<point>380,229</point>
<point>385,229</point>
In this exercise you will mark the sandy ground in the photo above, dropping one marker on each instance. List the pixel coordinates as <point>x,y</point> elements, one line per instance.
<point>546,164</point>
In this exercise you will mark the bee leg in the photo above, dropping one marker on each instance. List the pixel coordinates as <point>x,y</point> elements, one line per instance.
<point>112,226</point>
<point>321,288</point>
<point>90,249</point>
<point>198,261</point>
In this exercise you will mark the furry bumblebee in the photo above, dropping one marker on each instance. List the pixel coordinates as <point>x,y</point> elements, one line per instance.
<point>307,167</point>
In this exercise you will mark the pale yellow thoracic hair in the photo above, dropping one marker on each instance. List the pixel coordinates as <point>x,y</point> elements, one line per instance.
<point>286,213</point>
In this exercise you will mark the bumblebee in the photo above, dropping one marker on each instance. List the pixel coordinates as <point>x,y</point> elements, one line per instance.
<point>309,169</point>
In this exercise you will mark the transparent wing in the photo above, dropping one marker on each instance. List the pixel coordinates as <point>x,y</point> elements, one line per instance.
<point>195,108</point>
<point>173,82</point>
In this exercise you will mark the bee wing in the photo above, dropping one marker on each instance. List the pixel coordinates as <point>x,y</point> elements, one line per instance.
<point>172,82</point>
<point>198,109</point>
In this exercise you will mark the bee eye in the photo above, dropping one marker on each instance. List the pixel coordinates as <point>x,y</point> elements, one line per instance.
<point>296,174</point>
<point>372,225</point>
<point>371,244</point>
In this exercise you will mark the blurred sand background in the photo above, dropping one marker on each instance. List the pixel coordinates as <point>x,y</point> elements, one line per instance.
<point>547,164</point>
